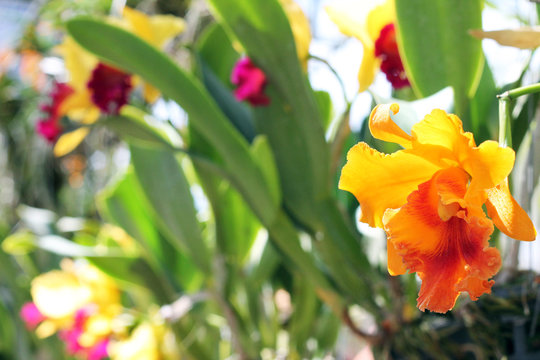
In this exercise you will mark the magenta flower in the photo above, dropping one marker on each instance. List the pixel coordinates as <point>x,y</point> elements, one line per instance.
<point>31,315</point>
<point>250,82</point>
<point>110,88</point>
<point>49,127</point>
<point>99,350</point>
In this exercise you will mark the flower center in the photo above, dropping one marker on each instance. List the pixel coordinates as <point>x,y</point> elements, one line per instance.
<point>447,211</point>
<point>386,49</point>
<point>110,88</point>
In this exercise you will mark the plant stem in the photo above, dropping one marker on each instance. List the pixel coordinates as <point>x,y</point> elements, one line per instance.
<point>505,117</point>
<point>524,90</point>
<point>506,100</point>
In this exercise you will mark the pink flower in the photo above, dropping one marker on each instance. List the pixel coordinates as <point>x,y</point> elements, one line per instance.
<point>31,315</point>
<point>110,88</point>
<point>49,127</point>
<point>250,82</point>
<point>99,350</point>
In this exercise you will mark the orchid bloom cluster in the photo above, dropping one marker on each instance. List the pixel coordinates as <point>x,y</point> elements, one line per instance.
<point>377,33</point>
<point>82,305</point>
<point>429,199</point>
<point>250,80</point>
<point>79,303</point>
<point>94,87</point>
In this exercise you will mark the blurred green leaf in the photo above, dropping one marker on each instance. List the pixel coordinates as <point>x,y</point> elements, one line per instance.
<point>132,125</point>
<point>236,111</point>
<point>484,108</point>
<point>324,102</point>
<point>217,50</point>
<point>167,190</point>
<point>124,204</point>
<point>265,160</point>
<point>436,48</point>
<point>135,271</point>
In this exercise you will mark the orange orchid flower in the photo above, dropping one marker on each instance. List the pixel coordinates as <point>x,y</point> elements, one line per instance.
<point>428,198</point>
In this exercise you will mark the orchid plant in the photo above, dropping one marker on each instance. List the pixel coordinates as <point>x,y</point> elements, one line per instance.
<point>247,229</point>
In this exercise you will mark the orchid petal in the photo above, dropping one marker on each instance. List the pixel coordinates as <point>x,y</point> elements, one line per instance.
<point>382,181</point>
<point>507,215</point>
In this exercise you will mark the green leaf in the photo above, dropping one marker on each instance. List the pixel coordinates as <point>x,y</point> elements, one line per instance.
<point>435,46</point>
<point>217,50</point>
<point>167,190</point>
<point>124,204</point>
<point>324,102</point>
<point>484,108</point>
<point>135,125</point>
<point>265,160</point>
<point>236,111</point>
<point>135,271</point>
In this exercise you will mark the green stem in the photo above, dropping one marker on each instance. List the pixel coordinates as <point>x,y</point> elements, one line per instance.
<point>505,117</point>
<point>506,100</point>
<point>524,90</point>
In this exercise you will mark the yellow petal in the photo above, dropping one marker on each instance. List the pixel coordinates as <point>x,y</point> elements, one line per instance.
<point>300,28</point>
<point>382,181</point>
<point>156,30</point>
<point>489,164</point>
<point>150,93</point>
<point>79,63</point>
<point>507,215</point>
<point>379,17</point>
<point>164,28</point>
<point>445,131</point>
<point>368,68</point>
<point>384,128</point>
<point>351,22</point>
<point>58,294</point>
<point>522,38</point>
<point>69,141</point>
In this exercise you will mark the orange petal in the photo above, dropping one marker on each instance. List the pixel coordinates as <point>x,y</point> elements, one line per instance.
<point>381,181</point>
<point>449,256</point>
<point>507,215</point>
<point>395,262</point>
<point>384,128</point>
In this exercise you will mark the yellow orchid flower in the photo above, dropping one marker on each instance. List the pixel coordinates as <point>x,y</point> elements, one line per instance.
<point>373,24</point>
<point>300,28</point>
<point>80,303</point>
<point>100,88</point>
<point>148,341</point>
<point>429,199</point>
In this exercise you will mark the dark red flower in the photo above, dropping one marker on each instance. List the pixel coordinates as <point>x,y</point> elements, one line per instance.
<point>387,50</point>
<point>109,88</point>
<point>250,82</point>
<point>49,127</point>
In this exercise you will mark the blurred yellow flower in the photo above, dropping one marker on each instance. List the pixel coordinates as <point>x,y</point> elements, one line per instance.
<point>147,342</point>
<point>373,24</point>
<point>101,88</point>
